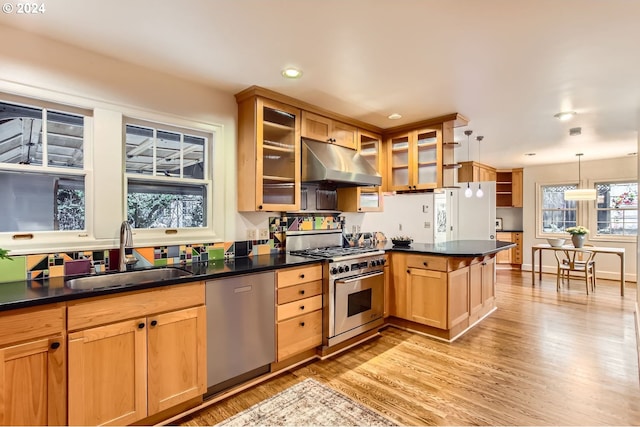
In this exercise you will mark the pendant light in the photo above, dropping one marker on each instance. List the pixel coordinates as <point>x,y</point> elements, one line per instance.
<point>580,193</point>
<point>479,193</point>
<point>468,192</point>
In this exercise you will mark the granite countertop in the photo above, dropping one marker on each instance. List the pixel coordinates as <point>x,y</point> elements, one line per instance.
<point>455,248</point>
<point>32,293</point>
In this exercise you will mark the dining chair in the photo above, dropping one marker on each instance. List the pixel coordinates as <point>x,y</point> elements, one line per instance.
<point>578,262</point>
<point>580,259</point>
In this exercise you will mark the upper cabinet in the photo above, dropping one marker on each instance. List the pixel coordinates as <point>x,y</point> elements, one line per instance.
<point>268,155</point>
<point>476,172</point>
<point>365,199</point>
<point>509,188</point>
<point>328,130</point>
<point>414,159</point>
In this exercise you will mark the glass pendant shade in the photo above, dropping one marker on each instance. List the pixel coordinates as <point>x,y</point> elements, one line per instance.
<point>580,193</point>
<point>479,193</point>
<point>468,192</point>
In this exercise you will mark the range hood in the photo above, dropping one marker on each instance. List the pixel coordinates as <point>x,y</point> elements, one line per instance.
<point>335,165</point>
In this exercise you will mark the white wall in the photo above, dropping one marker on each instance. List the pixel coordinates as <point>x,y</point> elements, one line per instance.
<point>620,168</point>
<point>37,67</point>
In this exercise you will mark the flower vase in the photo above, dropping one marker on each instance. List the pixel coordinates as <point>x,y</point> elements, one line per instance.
<point>578,240</point>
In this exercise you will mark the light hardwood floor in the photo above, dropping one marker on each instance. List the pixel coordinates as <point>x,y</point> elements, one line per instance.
<point>543,358</point>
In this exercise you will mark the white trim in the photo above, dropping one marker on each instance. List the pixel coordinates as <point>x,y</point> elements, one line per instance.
<point>539,234</point>
<point>593,217</point>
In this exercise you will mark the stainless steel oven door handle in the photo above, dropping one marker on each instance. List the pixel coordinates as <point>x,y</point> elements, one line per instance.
<point>360,277</point>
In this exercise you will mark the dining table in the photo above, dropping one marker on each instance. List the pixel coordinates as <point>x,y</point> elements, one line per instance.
<point>595,249</point>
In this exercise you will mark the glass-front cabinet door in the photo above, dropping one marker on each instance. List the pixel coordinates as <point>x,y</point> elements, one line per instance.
<point>364,199</point>
<point>428,163</point>
<point>399,155</point>
<point>278,157</point>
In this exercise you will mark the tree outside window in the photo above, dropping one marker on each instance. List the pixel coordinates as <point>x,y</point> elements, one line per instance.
<point>617,209</point>
<point>557,213</point>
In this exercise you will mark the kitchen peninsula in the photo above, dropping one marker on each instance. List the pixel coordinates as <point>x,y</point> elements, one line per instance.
<point>442,289</point>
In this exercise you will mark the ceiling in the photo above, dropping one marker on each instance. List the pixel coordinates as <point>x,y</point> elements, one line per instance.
<point>507,65</point>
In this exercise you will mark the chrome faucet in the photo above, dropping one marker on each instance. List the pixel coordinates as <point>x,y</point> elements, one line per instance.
<point>126,241</point>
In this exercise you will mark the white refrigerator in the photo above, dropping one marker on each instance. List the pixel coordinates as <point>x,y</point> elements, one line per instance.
<point>477,215</point>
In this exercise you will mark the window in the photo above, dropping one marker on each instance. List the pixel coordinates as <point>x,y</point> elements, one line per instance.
<point>617,209</point>
<point>42,177</point>
<point>167,176</point>
<point>557,213</point>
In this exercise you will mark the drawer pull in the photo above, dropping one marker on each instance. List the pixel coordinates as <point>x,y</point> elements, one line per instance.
<point>426,264</point>
<point>302,307</point>
<point>140,325</point>
<point>301,291</point>
<point>302,276</point>
<point>302,324</point>
<point>55,345</point>
<point>154,322</point>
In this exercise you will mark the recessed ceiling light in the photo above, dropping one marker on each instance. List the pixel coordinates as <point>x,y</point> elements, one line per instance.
<point>395,116</point>
<point>291,73</point>
<point>529,154</point>
<point>565,115</point>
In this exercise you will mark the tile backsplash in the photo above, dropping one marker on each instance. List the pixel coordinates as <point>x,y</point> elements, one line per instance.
<point>45,265</point>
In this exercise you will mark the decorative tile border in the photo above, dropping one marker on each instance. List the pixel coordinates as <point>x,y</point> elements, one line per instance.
<point>59,264</point>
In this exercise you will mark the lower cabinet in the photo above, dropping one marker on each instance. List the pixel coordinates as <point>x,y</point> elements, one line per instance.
<point>513,256</point>
<point>33,367</point>
<point>124,371</point>
<point>446,294</point>
<point>298,310</point>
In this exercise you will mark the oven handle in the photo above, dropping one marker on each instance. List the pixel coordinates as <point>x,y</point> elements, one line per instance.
<point>357,278</point>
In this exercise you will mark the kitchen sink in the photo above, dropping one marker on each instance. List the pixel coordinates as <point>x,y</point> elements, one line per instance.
<point>126,278</point>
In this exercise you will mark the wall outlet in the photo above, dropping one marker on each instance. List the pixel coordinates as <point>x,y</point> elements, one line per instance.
<point>252,234</point>
<point>263,234</point>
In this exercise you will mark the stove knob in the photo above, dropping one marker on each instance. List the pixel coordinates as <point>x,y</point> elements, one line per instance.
<point>372,263</point>
<point>346,268</point>
<point>341,269</point>
<point>383,261</point>
<point>334,270</point>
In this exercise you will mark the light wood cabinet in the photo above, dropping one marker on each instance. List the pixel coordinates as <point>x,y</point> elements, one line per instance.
<point>328,130</point>
<point>509,188</point>
<point>414,159</point>
<point>365,199</point>
<point>33,375</point>
<point>298,310</point>
<point>135,354</point>
<point>387,284</point>
<point>482,287</point>
<point>398,287</point>
<point>427,297</point>
<point>476,172</point>
<point>512,256</point>
<point>268,155</point>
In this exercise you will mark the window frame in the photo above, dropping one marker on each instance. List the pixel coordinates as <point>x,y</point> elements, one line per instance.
<point>540,234</point>
<point>18,241</point>
<point>182,235</point>
<point>593,214</point>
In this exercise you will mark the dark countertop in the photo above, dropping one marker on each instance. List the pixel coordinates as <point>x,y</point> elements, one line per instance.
<point>32,293</point>
<point>455,248</point>
<point>509,231</point>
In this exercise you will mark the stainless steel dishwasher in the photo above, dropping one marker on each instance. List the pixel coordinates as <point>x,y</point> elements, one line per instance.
<point>240,329</point>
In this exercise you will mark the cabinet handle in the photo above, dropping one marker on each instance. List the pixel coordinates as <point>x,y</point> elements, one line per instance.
<point>302,292</point>
<point>140,325</point>
<point>154,322</point>
<point>302,276</point>
<point>359,209</point>
<point>55,345</point>
<point>302,324</point>
<point>425,264</point>
<point>260,207</point>
<point>409,271</point>
<point>302,307</point>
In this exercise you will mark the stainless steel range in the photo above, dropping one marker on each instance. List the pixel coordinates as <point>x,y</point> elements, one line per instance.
<point>353,281</point>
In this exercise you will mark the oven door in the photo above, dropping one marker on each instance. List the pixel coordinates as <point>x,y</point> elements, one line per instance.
<point>358,300</point>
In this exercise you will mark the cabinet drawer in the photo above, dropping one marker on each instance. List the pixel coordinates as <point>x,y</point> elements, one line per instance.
<point>299,334</point>
<point>108,309</point>
<point>294,293</point>
<point>295,276</point>
<point>427,262</point>
<point>28,323</point>
<point>296,308</point>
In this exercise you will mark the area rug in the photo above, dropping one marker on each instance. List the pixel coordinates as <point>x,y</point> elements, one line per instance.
<point>308,403</point>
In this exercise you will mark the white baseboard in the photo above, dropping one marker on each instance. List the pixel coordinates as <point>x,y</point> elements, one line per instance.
<point>637,319</point>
